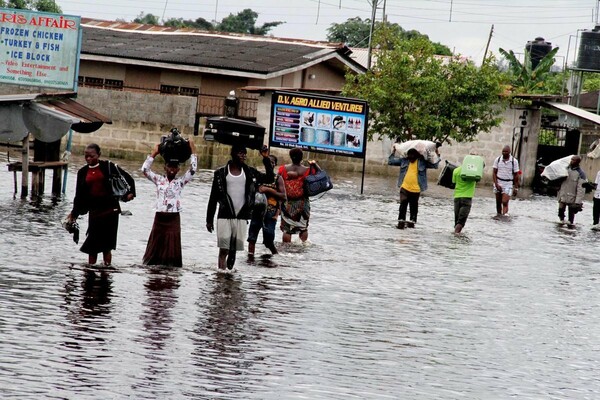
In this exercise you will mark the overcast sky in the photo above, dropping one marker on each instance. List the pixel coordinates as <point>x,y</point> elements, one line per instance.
<point>462,25</point>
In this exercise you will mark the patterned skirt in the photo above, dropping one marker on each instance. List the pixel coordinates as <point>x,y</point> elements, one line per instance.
<point>295,215</point>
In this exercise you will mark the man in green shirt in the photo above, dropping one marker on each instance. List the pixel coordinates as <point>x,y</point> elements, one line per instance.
<point>463,195</point>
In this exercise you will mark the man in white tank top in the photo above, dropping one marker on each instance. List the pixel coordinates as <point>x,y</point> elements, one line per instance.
<point>233,189</point>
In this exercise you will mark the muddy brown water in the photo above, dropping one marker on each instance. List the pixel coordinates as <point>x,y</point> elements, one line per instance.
<point>364,311</point>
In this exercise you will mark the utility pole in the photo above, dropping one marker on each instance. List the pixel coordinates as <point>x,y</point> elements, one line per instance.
<point>487,46</point>
<point>374,4</point>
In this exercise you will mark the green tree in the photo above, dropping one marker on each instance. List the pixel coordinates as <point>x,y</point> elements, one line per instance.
<point>524,78</point>
<point>591,82</point>
<point>36,5</point>
<point>412,94</point>
<point>355,33</point>
<point>199,23</point>
<point>244,22</point>
<point>47,6</point>
<point>149,19</point>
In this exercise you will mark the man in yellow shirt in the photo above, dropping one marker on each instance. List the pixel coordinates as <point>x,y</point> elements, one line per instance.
<point>412,181</point>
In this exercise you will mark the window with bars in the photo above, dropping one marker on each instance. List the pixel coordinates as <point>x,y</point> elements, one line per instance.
<point>168,89</point>
<point>93,82</point>
<point>188,91</point>
<point>114,84</point>
<point>180,90</point>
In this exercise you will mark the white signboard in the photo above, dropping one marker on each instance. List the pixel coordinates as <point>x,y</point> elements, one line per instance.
<point>39,49</point>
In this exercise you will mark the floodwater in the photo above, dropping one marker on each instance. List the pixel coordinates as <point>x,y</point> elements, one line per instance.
<point>364,311</point>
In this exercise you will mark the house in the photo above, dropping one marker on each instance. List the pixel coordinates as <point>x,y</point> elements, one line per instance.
<point>150,78</point>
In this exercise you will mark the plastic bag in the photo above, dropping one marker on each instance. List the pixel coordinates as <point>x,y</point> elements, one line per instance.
<point>557,169</point>
<point>594,149</point>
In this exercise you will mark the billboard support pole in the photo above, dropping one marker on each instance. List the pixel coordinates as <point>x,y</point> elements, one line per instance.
<point>362,179</point>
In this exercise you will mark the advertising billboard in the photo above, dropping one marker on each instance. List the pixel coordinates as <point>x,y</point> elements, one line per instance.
<point>39,49</point>
<point>319,123</point>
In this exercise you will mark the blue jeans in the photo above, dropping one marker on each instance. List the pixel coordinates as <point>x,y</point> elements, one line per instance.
<point>267,224</point>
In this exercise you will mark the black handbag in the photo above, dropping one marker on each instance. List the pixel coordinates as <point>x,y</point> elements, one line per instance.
<point>317,183</point>
<point>118,183</point>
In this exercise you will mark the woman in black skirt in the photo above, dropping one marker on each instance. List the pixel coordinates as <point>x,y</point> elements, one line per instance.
<point>164,243</point>
<point>93,195</point>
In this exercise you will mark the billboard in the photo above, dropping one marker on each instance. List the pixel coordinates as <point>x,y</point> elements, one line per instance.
<point>39,49</point>
<point>319,123</point>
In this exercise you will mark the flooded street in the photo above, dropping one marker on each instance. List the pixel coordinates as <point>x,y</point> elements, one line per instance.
<point>364,311</point>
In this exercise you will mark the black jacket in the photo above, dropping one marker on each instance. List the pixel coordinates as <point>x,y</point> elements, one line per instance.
<point>84,202</point>
<point>219,195</point>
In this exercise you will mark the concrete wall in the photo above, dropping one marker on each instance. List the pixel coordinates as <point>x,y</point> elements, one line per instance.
<point>140,119</point>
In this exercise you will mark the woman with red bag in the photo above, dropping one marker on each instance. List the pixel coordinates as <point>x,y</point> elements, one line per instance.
<point>295,211</point>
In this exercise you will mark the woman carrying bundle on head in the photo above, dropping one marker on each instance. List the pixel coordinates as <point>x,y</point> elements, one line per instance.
<point>164,243</point>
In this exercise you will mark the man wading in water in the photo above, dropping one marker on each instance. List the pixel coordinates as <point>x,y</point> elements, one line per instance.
<point>506,180</point>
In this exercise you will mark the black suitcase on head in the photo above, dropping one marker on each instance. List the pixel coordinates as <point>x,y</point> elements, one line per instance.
<point>232,131</point>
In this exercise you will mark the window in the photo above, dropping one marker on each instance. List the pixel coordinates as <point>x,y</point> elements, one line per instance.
<point>89,81</point>
<point>186,91</point>
<point>183,91</point>
<point>113,84</point>
<point>167,89</point>
<point>93,82</point>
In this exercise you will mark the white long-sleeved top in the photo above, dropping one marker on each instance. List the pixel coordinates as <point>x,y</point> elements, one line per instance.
<point>168,194</point>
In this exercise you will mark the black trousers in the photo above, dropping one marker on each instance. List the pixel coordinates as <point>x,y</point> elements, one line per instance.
<point>596,211</point>
<point>572,211</point>
<point>408,199</point>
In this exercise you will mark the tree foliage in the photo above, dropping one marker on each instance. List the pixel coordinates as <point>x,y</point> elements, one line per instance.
<point>413,94</point>
<point>242,22</point>
<point>36,5</point>
<point>355,33</point>
<point>198,23</point>
<point>591,82</point>
<point>148,19</point>
<point>526,79</point>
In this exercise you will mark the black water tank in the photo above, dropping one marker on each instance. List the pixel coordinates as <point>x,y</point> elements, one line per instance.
<point>538,48</point>
<point>588,56</point>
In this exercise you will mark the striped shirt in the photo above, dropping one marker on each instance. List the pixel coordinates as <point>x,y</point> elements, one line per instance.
<point>506,169</point>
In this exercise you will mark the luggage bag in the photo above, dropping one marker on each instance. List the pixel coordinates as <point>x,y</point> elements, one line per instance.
<point>472,168</point>
<point>232,131</point>
<point>445,178</point>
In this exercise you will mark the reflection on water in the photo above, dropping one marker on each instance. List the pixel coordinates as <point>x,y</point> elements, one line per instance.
<point>364,310</point>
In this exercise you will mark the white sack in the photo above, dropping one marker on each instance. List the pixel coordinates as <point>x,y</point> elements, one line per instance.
<point>594,150</point>
<point>557,169</point>
<point>425,147</point>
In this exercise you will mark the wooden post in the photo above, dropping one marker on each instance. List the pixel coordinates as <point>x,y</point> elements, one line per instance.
<point>25,170</point>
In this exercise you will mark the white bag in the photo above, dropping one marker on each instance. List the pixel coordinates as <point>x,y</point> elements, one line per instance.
<point>594,149</point>
<point>557,169</point>
<point>426,148</point>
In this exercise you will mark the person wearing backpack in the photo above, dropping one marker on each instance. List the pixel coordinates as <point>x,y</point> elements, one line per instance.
<point>506,180</point>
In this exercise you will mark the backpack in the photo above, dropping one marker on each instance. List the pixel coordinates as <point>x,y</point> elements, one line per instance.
<point>512,160</point>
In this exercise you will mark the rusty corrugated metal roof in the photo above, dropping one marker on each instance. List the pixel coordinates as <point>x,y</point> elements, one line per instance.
<point>250,54</point>
<point>77,110</point>
<point>89,120</point>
